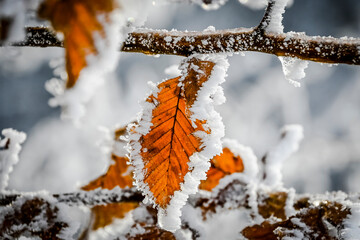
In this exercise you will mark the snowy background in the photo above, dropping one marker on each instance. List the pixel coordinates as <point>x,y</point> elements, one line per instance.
<point>60,157</point>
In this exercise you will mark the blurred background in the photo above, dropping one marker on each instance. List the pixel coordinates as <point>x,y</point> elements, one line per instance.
<point>59,156</point>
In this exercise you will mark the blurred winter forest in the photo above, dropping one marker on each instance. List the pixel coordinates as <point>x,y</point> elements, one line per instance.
<point>60,157</point>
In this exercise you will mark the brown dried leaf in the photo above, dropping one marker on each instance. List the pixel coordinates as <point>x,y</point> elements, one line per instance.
<point>274,205</point>
<point>317,220</point>
<point>152,233</point>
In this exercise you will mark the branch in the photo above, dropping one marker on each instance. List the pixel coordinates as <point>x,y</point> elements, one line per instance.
<point>259,39</point>
<point>317,49</point>
<point>85,198</point>
<point>279,214</point>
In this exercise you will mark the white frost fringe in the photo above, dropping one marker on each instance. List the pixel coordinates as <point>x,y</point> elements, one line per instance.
<point>10,156</point>
<point>209,95</point>
<point>293,69</point>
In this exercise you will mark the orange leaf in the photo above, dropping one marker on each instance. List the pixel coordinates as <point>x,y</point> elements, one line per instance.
<point>167,147</point>
<point>78,21</point>
<point>117,175</point>
<point>104,215</point>
<point>221,165</point>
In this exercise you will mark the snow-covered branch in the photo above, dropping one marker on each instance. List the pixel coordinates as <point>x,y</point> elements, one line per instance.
<point>267,37</point>
<point>259,214</point>
<point>318,49</point>
<point>291,44</point>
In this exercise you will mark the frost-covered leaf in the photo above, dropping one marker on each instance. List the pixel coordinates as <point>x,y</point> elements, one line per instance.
<point>177,135</point>
<point>235,158</point>
<point>167,148</point>
<point>92,31</point>
<point>118,175</point>
<point>221,165</point>
<point>79,22</point>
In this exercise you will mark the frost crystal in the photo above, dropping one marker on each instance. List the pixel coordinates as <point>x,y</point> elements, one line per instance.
<point>294,69</point>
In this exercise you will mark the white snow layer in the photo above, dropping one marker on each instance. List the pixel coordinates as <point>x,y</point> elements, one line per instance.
<point>202,109</point>
<point>291,135</point>
<point>294,69</point>
<point>9,156</point>
<point>73,100</point>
